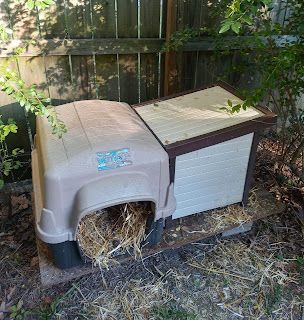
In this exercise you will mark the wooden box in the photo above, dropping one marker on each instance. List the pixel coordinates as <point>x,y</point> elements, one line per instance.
<point>211,151</point>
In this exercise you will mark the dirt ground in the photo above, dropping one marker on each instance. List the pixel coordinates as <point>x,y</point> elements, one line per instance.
<point>258,275</point>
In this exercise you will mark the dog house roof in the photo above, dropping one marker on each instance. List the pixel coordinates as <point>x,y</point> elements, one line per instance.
<point>98,129</point>
<point>192,120</point>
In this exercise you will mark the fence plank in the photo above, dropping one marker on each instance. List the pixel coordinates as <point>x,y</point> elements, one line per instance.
<point>78,19</point>
<point>103,15</point>
<point>52,21</point>
<point>149,77</point>
<point>106,77</point>
<point>128,78</point>
<point>23,20</point>
<point>83,78</point>
<point>59,79</point>
<point>149,16</point>
<point>127,18</point>
<point>32,71</point>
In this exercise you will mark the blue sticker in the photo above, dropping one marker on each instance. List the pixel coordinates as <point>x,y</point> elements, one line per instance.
<point>113,159</point>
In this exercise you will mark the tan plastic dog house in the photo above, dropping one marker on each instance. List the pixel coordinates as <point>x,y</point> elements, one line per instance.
<point>182,153</point>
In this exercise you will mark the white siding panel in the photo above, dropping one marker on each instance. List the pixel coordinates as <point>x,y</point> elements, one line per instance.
<point>211,177</point>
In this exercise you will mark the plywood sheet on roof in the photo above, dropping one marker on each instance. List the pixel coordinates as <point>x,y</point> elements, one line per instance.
<point>193,114</point>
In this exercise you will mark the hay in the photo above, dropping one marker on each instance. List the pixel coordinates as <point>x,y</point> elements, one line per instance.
<point>256,275</point>
<point>120,229</point>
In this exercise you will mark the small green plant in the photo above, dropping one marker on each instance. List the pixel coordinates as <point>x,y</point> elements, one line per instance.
<point>273,298</point>
<point>300,268</point>
<point>8,159</point>
<point>17,312</point>
<point>170,313</point>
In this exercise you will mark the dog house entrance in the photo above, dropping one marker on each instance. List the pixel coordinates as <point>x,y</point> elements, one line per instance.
<point>104,234</point>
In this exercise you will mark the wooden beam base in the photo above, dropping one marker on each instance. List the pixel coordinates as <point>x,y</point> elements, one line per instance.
<point>177,233</point>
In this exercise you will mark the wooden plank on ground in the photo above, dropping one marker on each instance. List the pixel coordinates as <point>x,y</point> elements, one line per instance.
<point>180,232</point>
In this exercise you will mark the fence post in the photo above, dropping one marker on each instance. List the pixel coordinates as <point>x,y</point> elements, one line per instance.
<point>170,57</point>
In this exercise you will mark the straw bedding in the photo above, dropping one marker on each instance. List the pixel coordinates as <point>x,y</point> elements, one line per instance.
<point>110,232</point>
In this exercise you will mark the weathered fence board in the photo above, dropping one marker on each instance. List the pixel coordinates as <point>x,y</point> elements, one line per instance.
<point>107,77</point>
<point>103,18</point>
<point>128,81</point>
<point>127,18</point>
<point>52,21</point>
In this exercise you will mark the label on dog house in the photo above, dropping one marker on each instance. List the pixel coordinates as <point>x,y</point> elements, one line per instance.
<point>211,150</point>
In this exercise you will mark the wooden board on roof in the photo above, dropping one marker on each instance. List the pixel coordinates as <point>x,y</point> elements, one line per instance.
<point>193,114</point>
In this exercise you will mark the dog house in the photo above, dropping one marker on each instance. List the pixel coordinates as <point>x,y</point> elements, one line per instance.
<point>182,153</point>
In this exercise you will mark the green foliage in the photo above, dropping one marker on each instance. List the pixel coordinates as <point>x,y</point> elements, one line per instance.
<point>5,33</point>
<point>17,312</point>
<point>8,159</point>
<point>179,38</point>
<point>40,4</point>
<point>273,297</point>
<point>31,99</point>
<point>240,13</point>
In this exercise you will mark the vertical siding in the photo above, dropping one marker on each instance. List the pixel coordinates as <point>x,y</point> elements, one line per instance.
<point>211,177</point>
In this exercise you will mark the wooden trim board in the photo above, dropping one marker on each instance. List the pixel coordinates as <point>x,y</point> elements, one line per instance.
<point>59,47</point>
<point>178,233</point>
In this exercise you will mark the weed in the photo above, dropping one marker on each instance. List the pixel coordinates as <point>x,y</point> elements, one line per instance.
<point>17,312</point>
<point>300,268</point>
<point>273,297</point>
<point>173,313</point>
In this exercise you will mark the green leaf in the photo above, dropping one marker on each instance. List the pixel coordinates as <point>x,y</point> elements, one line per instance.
<point>236,26</point>
<point>1,184</point>
<point>225,27</point>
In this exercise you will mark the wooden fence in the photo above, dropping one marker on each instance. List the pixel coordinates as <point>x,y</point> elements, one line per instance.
<point>104,49</point>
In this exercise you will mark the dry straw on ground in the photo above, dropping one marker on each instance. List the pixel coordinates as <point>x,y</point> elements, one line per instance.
<point>104,234</point>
